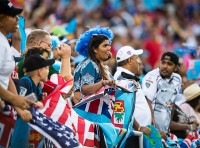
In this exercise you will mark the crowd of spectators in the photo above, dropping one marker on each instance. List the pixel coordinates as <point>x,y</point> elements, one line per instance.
<point>155,26</point>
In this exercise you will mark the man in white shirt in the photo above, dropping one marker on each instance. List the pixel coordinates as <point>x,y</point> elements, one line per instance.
<point>128,64</point>
<point>8,24</point>
<point>162,88</point>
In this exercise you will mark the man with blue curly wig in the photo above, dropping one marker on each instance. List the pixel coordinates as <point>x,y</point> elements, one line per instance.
<point>91,74</point>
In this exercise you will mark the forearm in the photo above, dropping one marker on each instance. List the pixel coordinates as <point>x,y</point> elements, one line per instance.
<point>178,126</point>
<point>6,95</point>
<point>77,96</point>
<point>18,110</point>
<point>11,86</point>
<point>136,125</point>
<point>24,114</point>
<point>91,88</point>
<point>65,70</point>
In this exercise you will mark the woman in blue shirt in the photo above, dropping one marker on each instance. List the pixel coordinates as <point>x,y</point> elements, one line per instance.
<point>91,74</point>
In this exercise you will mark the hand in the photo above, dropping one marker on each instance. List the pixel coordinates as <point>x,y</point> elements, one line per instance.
<point>108,82</point>
<point>192,120</point>
<point>44,95</point>
<point>25,115</point>
<point>39,105</point>
<point>21,102</point>
<point>2,105</point>
<point>163,135</point>
<point>192,127</point>
<point>41,84</point>
<point>145,130</point>
<point>195,122</point>
<point>64,51</point>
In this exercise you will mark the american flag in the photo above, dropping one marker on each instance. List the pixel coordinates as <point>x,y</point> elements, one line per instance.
<point>59,134</point>
<point>59,110</point>
<point>7,123</point>
<point>100,103</point>
<point>7,119</point>
<point>191,140</point>
<point>99,108</point>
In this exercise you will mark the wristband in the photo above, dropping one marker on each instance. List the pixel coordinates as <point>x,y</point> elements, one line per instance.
<point>191,128</point>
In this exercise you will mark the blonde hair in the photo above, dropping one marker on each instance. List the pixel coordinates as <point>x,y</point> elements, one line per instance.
<point>35,36</point>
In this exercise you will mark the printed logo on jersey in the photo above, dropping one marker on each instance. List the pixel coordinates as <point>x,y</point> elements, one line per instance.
<point>147,84</point>
<point>22,91</point>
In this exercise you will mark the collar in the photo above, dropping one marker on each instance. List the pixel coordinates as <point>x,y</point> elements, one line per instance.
<point>167,79</point>
<point>125,70</point>
<point>127,74</point>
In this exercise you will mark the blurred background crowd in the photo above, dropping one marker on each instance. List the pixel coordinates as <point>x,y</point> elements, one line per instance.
<point>155,26</point>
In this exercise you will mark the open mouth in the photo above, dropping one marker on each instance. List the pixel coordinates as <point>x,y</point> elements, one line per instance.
<point>164,71</point>
<point>107,53</point>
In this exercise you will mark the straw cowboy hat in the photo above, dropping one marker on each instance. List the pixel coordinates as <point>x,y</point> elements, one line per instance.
<point>192,91</point>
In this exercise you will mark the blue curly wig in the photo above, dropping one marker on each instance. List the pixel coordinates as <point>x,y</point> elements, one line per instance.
<point>83,41</point>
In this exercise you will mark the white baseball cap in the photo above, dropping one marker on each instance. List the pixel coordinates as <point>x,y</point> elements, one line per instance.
<point>126,52</point>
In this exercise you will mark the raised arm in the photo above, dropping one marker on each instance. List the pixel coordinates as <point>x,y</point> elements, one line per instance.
<point>65,53</point>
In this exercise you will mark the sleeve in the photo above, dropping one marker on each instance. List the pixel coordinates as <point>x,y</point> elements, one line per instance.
<point>179,90</point>
<point>25,87</point>
<point>76,80</point>
<point>85,73</point>
<point>3,53</point>
<point>149,86</point>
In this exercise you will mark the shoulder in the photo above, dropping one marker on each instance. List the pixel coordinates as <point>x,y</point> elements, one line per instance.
<point>25,81</point>
<point>4,46</point>
<point>152,75</point>
<point>176,77</point>
<point>25,85</point>
<point>89,64</point>
<point>154,72</point>
<point>3,38</point>
<point>86,62</point>
<point>117,73</point>
<point>78,67</point>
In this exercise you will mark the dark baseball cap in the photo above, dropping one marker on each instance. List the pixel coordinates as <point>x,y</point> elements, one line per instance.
<point>170,56</point>
<point>6,7</point>
<point>36,61</point>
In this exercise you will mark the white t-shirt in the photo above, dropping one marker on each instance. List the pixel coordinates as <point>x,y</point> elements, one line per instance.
<point>7,63</point>
<point>163,93</point>
<point>142,112</point>
<point>15,52</point>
